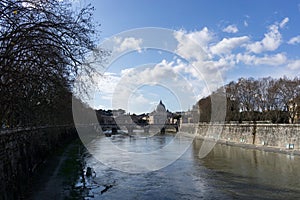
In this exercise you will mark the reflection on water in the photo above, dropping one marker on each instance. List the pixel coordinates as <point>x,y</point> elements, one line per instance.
<point>226,173</point>
<point>139,154</point>
<point>253,173</point>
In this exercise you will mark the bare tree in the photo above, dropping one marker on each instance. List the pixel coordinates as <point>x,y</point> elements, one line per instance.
<point>247,96</point>
<point>263,99</point>
<point>288,91</point>
<point>43,46</point>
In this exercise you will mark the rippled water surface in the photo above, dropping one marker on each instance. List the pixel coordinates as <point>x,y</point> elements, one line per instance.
<point>226,173</point>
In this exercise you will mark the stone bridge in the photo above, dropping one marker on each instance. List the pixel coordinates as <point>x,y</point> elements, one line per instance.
<point>130,127</point>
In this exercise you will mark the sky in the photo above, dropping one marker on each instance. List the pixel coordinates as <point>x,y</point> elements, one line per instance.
<point>181,51</point>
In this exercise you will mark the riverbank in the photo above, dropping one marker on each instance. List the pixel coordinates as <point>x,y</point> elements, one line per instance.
<point>57,177</point>
<point>255,147</point>
<point>277,138</point>
<point>22,151</point>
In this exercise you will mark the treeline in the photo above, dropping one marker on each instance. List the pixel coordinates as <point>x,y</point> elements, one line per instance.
<point>43,47</point>
<point>266,99</point>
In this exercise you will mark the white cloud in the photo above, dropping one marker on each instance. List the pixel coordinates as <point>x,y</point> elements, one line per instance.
<point>105,84</point>
<point>270,42</point>
<point>127,71</point>
<point>193,45</point>
<point>137,103</point>
<point>122,90</point>
<point>294,64</point>
<point>196,48</point>
<point>128,43</point>
<point>272,60</point>
<point>228,44</point>
<point>111,87</point>
<point>102,85</point>
<point>284,22</point>
<point>231,29</point>
<point>166,74</point>
<point>294,40</point>
<point>272,39</point>
<point>246,24</point>
<point>209,60</point>
<point>99,106</point>
<point>210,68</point>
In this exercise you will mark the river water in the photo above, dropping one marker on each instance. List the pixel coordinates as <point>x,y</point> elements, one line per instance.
<point>227,172</point>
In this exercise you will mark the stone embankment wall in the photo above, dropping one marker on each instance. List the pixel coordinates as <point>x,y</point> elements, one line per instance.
<point>190,128</point>
<point>22,151</point>
<point>274,135</point>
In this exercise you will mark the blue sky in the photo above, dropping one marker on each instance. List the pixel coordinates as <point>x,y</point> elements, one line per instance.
<point>237,39</point>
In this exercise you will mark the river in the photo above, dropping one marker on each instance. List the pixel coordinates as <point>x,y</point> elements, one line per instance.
<point>227,172</point>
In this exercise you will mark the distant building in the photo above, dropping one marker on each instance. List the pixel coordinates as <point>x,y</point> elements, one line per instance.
<point>190,116</point>
<point>159,115</point>
<point>294,110</point>
<point>162,116</point>
<point>119,112</point>
<point>118,119</point>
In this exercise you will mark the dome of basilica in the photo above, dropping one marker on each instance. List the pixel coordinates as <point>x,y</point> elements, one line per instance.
<point>160,107</point>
